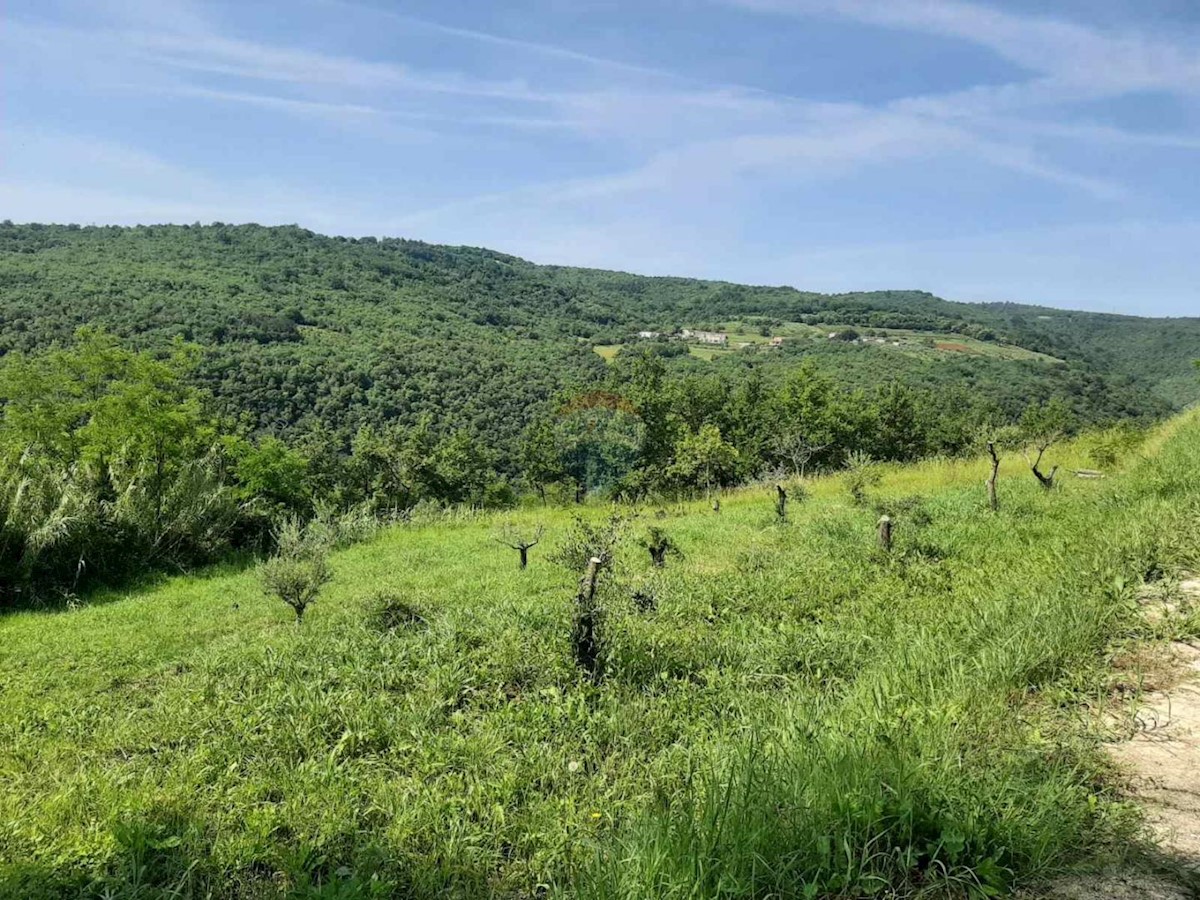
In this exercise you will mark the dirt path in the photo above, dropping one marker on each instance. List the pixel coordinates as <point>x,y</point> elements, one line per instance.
<point>1162,758</point>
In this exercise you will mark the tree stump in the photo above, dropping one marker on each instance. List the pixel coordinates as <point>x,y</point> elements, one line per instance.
<point>993,500</point>
<point>885,534</point>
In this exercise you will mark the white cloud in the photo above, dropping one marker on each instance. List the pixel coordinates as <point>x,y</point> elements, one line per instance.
<point>540,49</point>
<point>1072,54</point>
<point>667,162</point>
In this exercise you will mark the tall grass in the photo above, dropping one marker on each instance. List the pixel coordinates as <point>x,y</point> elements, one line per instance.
<point>942,770</point>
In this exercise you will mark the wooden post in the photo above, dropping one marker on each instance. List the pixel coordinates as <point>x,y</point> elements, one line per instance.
<point>780,503</point>
<point>993,501</point>
<point>716,505</point>
<point>885,533</point>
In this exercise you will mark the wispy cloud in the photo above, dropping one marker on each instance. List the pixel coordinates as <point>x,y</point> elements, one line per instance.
<point>1070,53</point>
<point>541,49</point>
<point>550,149</point>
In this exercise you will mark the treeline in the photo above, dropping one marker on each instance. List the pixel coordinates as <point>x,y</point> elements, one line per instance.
<point>113,462</point>
<point>650,431</point>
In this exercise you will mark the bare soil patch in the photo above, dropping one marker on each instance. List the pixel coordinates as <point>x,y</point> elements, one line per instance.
<point>1162,759</point>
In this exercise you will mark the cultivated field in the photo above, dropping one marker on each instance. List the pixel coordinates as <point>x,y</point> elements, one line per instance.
<point>785,709</point>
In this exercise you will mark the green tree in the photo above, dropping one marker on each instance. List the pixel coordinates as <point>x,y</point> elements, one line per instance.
<point>601,443</point>
<point>273,473</point>
<point>540,456</point>
<point>704,459</point>
<point>1043,425</point>
<point>107,462</point>
<point>807,406</point>
<point>900,426</point>
<point>462,470</point>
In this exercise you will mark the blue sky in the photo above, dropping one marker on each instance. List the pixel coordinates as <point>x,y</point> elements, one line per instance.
<point>1042,152</point>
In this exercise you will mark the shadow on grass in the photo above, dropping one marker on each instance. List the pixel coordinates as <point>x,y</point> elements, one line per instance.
<point>103,592</point>
<point>167,856</point>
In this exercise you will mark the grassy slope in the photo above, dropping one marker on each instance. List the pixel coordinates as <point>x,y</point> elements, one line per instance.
<point>185,736</point>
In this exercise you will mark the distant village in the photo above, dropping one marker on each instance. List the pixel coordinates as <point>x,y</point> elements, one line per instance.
<point>720,339</point>
<point>715,338</point>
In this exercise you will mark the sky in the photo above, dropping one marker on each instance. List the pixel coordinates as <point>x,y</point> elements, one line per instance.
<point>1038,151</point>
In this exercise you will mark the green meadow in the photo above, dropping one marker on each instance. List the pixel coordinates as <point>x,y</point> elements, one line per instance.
<point>785,709</point>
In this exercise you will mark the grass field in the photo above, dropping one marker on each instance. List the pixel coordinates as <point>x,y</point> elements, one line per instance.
<point>607,351</point>
<point>799,714</point>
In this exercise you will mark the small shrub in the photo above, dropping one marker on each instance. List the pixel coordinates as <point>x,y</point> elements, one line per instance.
<point>862,474</point>
<point>585,540</point>
<point>300,566</point>
<point>797,492</point>
<point>1108,447</point>
<point>644,600</point>
<point>912,509</point>
<point>659,544</point>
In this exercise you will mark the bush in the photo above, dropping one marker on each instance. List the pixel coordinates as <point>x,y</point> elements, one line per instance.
<point>300,566</point>
<point>659,544</point>
<point>585,540</point>
<point>352,526</point>
<point>862,473</point>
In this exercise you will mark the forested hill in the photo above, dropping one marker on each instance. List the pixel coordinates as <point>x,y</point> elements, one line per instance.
<point>302,330</point>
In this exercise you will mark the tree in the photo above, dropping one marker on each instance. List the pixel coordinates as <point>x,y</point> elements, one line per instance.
<point>1043,426</point>
<point>512,537</point>
<point>808,411</point>
<point>299,567</point>
<point>601,440</point>
<point>461,469</point>
<point>797,449</point>
<point>107,462</point>
<point>703,459</point>
<point>272,473</point>
<point>900,427</point>
<point>995,440</point>
<point>649,397</point>
<point>540,456</point>
<point>993,498</point>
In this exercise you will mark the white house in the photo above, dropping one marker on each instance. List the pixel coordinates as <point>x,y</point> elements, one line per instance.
<point>706,337</point>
